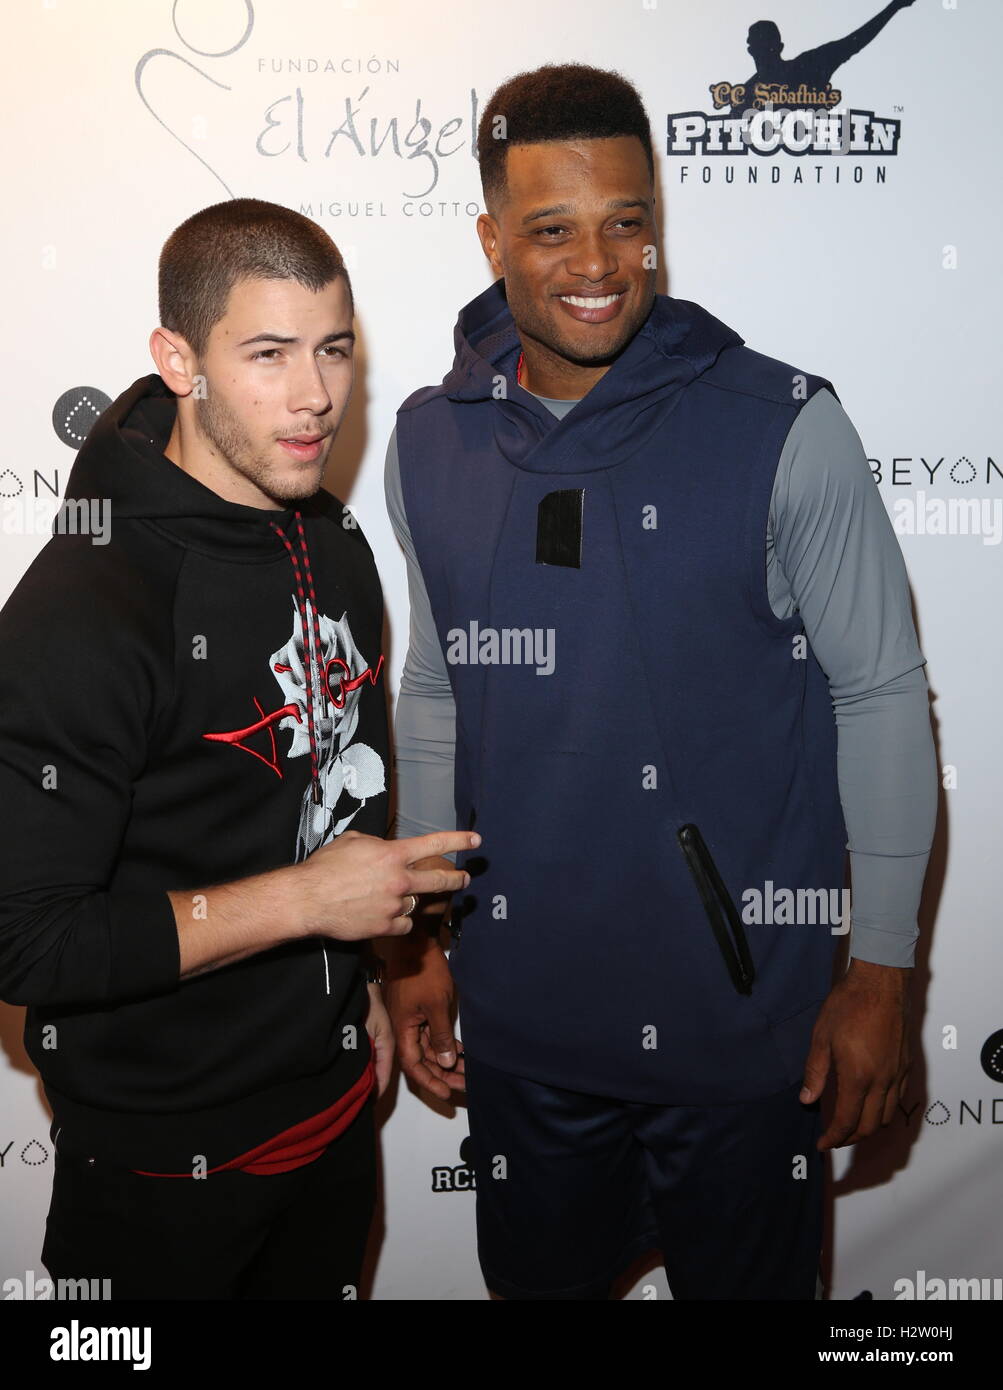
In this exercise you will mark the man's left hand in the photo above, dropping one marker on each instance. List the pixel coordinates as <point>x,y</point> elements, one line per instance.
<point>862,1031</point>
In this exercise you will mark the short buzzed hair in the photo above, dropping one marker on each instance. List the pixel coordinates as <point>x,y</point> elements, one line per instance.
<point>244,238</point>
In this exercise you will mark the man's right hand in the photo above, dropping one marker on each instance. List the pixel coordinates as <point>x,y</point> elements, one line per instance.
<point>360,885</point>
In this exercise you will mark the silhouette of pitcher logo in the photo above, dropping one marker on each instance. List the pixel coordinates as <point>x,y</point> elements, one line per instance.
<point>803,81</point>
<point>787,106</point>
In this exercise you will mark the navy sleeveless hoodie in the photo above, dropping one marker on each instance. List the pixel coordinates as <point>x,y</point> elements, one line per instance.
<point>641,743</point>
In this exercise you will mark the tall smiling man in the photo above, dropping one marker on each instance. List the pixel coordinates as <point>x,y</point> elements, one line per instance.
<point>662,655</point>
<point>193,796</point>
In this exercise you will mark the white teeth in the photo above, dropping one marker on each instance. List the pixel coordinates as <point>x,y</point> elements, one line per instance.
<point>592,302</point>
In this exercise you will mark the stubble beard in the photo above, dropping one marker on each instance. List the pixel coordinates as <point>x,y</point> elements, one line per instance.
<point>223,430</point>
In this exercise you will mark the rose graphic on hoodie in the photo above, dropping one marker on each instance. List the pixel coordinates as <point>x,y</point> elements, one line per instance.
<point>349,772</point>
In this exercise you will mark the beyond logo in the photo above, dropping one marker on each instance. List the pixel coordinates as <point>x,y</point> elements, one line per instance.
<point>787,104</point>
<point>991,1056</point>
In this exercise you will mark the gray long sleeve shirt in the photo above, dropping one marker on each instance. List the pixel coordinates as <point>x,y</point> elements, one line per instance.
<point>830,553</point>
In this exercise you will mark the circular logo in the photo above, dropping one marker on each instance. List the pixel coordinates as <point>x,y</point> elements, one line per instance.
<point>75,412</point>
<point>991,1056</point>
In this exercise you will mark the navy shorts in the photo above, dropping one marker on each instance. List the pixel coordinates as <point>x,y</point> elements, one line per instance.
<point>571,1188</point>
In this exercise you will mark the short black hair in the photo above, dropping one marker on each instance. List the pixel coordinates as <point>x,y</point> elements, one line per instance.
<point>244,238</point>
<point>563,101</point>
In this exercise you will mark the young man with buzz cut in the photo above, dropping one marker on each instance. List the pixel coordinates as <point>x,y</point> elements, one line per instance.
<point>193,799</point>
<point>735,696</point>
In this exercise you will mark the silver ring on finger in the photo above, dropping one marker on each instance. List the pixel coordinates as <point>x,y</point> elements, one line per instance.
<point>414,904</point>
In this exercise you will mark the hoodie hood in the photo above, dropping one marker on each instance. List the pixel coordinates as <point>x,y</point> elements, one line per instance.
<point>678,342</point>
<point>123,466</point>
<point>122,463</point>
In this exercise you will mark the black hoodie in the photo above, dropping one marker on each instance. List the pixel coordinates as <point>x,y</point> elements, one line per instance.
<point>158,732</point>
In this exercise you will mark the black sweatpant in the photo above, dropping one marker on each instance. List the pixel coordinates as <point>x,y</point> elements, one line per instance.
<point>231,1235</point>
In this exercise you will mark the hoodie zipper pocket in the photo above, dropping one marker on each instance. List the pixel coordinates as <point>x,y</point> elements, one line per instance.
<point>720,910</point>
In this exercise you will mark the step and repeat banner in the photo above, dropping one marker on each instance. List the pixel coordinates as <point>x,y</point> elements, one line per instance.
<point>862,245</point>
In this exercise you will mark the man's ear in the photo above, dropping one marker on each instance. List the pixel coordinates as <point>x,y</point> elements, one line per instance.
<point>175,361</point>
<point>487,230</point>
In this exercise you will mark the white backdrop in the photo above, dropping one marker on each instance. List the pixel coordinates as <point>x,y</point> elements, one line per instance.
<point>124,116</point>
